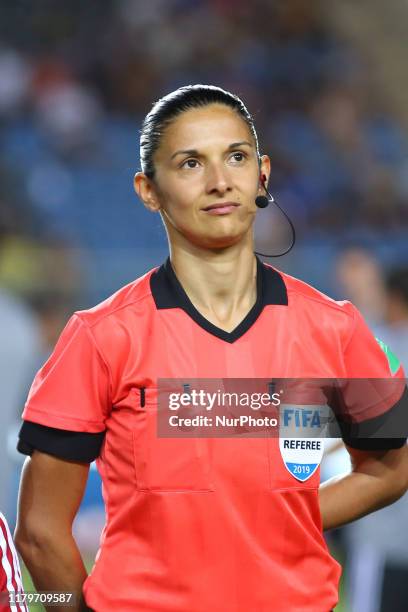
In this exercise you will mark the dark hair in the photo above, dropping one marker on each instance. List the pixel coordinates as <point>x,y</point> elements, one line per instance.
<point>397,282</point>
<point>175,103</point>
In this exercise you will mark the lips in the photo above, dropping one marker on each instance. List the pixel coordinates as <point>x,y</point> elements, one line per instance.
<point>221,205</point>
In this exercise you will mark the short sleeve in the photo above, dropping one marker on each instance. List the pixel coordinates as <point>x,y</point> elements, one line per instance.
<point>372,401</point>
<point>366,356</point>
<point>69,399</point>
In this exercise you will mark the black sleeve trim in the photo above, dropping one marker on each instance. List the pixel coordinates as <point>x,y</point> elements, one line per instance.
<point>385,432</point>
<point>71,445</point>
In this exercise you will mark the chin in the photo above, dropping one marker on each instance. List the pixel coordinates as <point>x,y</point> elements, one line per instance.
<point>217,238</point>
<point>220,242</point>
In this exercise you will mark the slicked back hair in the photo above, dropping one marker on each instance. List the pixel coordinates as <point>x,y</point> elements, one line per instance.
<point>169,107</point>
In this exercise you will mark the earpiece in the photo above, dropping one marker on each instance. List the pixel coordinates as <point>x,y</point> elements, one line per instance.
<point>263,201</point>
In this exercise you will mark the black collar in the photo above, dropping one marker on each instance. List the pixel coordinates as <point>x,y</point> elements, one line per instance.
<point>168,292</point>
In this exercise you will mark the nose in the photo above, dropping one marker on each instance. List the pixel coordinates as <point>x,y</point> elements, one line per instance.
<point>218,179</point>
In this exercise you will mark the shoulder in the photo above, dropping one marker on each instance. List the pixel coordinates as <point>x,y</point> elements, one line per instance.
<point>314,309</point>
<point>130,298</point>
<point>300,292</point>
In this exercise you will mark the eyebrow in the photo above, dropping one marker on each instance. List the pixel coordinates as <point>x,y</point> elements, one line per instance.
<point>195,152</point>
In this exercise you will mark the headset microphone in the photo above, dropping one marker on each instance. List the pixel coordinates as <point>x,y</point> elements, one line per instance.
<point>262,202</point>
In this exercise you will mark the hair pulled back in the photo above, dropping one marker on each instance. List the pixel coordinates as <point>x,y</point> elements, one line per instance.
<point>165,110</point>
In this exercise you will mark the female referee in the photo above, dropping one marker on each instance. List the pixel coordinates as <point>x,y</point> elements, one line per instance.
<point>209,524</point>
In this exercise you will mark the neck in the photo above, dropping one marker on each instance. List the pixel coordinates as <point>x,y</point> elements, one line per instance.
<point>221,284</point>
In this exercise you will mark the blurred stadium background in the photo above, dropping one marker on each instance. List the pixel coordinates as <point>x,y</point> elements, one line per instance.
<point>326,82</point>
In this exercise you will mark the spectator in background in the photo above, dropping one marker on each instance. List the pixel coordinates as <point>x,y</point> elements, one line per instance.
<point>15,82</point>
<point>361,279</point>
<point>19,348</point>
<point>67,111</point>
<point>36,284</point>
<point>378,544</point>
<point>395,329</point>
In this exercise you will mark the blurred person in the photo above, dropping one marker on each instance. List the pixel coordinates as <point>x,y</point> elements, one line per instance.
<point>364,154</point>
<point>11,585</point>
<point>378,564</point>
<point>360,278</point>
<point>15,80</point>
<point>69,112</point>
<point>395,328</point>
<point>212,524</point>
<point>27,331</point>
<point>19,349</point>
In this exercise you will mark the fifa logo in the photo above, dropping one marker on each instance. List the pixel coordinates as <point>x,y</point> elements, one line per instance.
<point>301,418</point>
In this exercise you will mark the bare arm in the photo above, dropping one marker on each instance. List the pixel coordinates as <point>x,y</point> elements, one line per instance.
<point>377,479</point>
<point>51,491</point>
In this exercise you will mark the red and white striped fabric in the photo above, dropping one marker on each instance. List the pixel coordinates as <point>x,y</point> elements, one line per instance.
<point>10,575</point>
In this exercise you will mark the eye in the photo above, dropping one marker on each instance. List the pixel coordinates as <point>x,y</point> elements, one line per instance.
<point>189,163</point>
<point>237,157</point>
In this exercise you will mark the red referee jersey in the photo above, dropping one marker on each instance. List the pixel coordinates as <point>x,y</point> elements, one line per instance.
<point>216,525</point>
<point>10,576</point>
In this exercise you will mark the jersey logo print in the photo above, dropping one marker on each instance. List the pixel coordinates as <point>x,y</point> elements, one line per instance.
<point>393,361</point>
<point>301,455</point>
